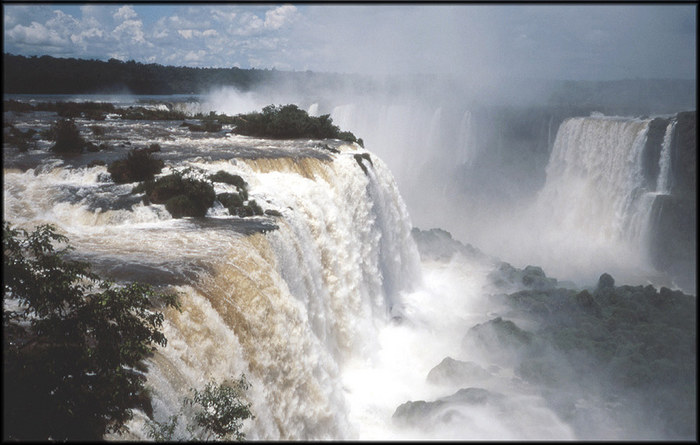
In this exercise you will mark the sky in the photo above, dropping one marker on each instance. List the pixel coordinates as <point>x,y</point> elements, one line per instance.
<point>547,41</point>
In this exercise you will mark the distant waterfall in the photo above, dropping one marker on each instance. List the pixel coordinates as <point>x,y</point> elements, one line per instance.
<point>595,183</point>
<point>663,183</point>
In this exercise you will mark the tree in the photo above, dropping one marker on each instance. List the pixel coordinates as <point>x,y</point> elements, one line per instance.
<point>74,344</point>
<point>218,410</point>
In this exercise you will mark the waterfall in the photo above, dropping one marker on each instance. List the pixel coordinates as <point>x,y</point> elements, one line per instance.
<point>594,179</point>
<point>664,182</point>
<point>287,307</point>
<point>465,142</point>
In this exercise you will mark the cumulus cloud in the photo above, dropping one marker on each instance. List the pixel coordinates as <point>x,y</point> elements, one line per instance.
<point>125,13</point>
<point>277,17</point>
<point>35,34</point>
<point>474,41</point>
<point>132,29</point>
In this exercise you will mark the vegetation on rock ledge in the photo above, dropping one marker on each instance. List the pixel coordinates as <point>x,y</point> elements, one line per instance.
<point>73,343</point>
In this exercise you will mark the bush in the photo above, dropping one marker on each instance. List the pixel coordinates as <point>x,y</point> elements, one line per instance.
<point>182,196</point>
<point>230,200</point>
<point>288,122</point>
<point>139,165</point>
<point>184,205</point>
<point>72,342</point>
<point>67,137</point>
<point>228,178</point>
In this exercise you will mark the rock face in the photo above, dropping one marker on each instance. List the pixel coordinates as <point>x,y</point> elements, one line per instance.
<point>652,151</point>
<point>442,410</point>
<point>456,372</point>
<point>532,277</point>
<point>438,244</point>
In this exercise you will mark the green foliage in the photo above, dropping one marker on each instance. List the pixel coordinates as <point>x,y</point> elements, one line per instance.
<point>182,196</point>
<point>73,342</point>
<point>288,122</point>
<point>236,203</point>
<point>139,165</point>
<point>230,200</point>
<point>162,431</point>
<point>228,178</point>
<point>67,137</point>
<point>218,410</point>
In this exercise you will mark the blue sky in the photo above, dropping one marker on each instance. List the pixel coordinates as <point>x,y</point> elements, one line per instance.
<point>562,41</point>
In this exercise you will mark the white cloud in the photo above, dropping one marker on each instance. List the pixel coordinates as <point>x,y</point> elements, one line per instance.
<point>131,28</point>
<point>277,17</point>
<point>224,14</point>
<point>85,36</point>
<point>190,33</point>
<point>124,13</point>
<point>195,56</point>
<point>250,24</point>
<point>9,20</point>
<point>186,33</point>
<point>35,34</point>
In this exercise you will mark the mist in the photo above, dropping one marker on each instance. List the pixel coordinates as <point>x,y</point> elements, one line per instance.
<point>474,163</point>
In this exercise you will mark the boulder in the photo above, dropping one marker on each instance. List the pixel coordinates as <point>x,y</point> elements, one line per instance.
<point>138,165</point>
<point>456,372</point>
<point>429,414</point>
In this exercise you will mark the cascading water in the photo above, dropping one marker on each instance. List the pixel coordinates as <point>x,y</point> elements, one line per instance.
<point>664,183</point>
<point>594,178</point>
<point>327,308</point>
<point>287,307</point>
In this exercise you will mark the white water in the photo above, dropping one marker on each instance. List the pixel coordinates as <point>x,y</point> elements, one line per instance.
<point>331,317</point>
<point>664,183</point>
<point>594,179</point>
<point>592,213</point>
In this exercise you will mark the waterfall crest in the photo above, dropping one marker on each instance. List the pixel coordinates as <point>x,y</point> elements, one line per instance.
<point>595,183</point>
<point>287,307</point>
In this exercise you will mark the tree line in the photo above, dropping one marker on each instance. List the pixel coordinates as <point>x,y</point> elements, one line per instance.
<point>51,75</point>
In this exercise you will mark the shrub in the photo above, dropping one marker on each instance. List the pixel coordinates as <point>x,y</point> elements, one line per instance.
<point>230,201</point>
<point>288,122</point>
<point>67,137</point>
<point>139,165</point>
<point>219,410</point>
<point>185,205</point>
<point>182,196</point>
<point>228,178</point>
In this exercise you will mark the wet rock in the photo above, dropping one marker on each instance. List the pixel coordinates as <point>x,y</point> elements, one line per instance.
<point>605,281</point>
<point>456,372</point>
<point>532,277</point>
<point>502,338</point>
<point>444,409</point>
<point>271,212</point>
<point>438,244</point>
